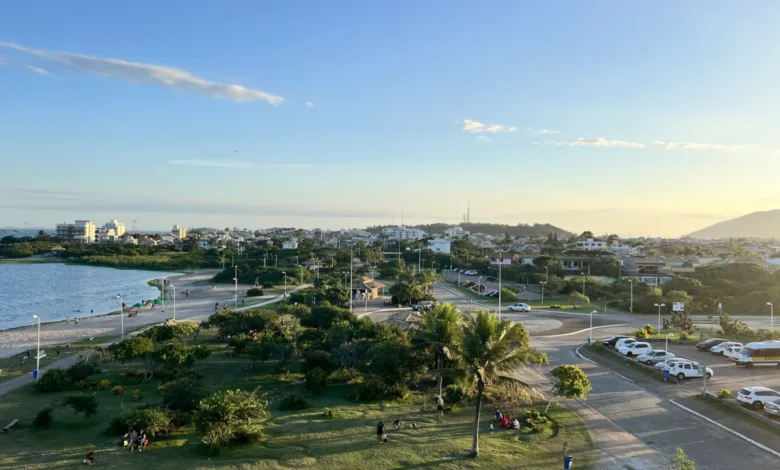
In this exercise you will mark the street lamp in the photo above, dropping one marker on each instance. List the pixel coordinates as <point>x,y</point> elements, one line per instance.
<point>583,282</point>
<point>162,293</point>
<point>542,283</point>
<point>659,316</point>
<point>590,332</point>
<point>174,301</point>
<point>284,273</point>
<point>38,356</point>
<point>667,343</point>
<point>121,315</point>
<point>235,280</point>
<point>479,284</point>
<point>547,275</point>
<point>631,305</point>
<point>771,316</point>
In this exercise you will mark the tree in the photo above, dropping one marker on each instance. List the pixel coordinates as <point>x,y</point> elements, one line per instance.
<point>80,371</point>
<point>152,420</point>
<point>681,461</point>
<point>316,380</point>
<point>577,298</point>
<point>571,382</point>
<point>228,416</point>
<point>491,348</point>
<point>441,327</point>
<point>86,404</point>
<point>587,234</point>
<point>182,394</point>
<point>174,355</point>
<point>53,380</point>
<point>324,316</point>
<point>508,294</point>
<point>129,349</point>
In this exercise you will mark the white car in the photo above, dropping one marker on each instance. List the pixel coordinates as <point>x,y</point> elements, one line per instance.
<point>654,357</point>
<point>520,308</point>
<point>757,396</point>
<point>670,362</point>
<point>687,370</point>
<point>470,272</point>
<point>718,350</point>
<point>635,349</point>
<point>623,342</point>
<point>732,351</point>
<point>772,408</point>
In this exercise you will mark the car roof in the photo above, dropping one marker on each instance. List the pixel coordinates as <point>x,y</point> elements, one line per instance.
<point>758,389</point>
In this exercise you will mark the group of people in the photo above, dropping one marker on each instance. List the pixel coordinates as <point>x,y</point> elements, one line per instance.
<point>381,435</point>
<point>133,440</point>
<point>505,421</point>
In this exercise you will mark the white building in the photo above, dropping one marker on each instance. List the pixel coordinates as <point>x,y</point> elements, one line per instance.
<point>440,245</point>
<point>621,248</point>
<point>495,258</point>
<point>592,244</point>
<point>118,227</point>
<point>403,233</point>
<point>290,245</point>
<point>179,232</point>
<point>204,243</point>
<point>80,231</point>
<point>456,232</point>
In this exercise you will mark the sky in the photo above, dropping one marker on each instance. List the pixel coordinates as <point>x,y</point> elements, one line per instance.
<point>636,118</point>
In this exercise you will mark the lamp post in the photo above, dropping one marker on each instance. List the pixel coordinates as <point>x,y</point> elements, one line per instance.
<point>631,305</point>
<point>583,282</point>
<point>38,355</point>
<point>590,331</point>
<point>479,284</point>
<point>547,274</point>
<point>667,343</point>
<point>162,295</point>
<point>659,316</point>
<point>500,262</point>
<point>351,258</point>
<point>771,316</point>
<point>121,316</point>
<point>235,280</point>
<point>542,283</point>
<point>284,273</point>
<point>174,301</point>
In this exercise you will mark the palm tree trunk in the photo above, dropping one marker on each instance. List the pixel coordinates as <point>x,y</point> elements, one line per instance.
<point>548,403</point>
<point>438,377</point>
<point>478,408</point>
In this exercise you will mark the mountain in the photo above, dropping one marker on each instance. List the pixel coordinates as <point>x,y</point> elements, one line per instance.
<point>764,224</point>
<point>535,230</point>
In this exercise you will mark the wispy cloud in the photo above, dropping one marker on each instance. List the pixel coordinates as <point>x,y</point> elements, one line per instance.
<point>169,77</point>
<point>698,146</point>
<point>476,126</point>
<point>473,126</point>
<point>39,70</point>
<point>543,131</point>
<point>309,104</point>
<point>512,129</point>
<point>484,139</point>
<point>598,142</point>
<point>236,164</point>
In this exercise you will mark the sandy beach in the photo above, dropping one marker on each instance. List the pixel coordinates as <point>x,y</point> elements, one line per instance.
<point>199,305</point>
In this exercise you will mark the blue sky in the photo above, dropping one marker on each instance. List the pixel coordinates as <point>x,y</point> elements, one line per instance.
<point>611,116</point>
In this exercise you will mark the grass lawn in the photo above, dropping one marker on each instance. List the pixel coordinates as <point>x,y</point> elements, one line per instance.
<point>12,367</point>
<point>293,439</point>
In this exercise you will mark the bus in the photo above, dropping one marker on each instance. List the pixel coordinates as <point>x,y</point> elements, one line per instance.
<point>764,353</point>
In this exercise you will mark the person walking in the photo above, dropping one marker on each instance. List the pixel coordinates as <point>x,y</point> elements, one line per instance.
<point>440,405</point>
<point>380,430</point>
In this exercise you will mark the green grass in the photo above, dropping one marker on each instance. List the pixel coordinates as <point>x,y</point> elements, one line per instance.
<point>293,439</point>
<point>12,367</point>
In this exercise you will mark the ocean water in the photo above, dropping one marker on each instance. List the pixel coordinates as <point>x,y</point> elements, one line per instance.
<point>57,290</point>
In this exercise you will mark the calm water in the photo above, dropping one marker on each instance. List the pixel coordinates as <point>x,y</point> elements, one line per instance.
<point>57,290</point>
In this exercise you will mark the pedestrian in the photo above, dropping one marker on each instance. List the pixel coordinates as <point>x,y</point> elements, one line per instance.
<point>89,459</point>
<point>666,375</point>
<point>380,430</point>
<point>414,427</point>
<point>490,429</point>
<point>77,320</point>
<point>194,339</point>
<point>91,311</point>
<point>498,415</point>
<point>242,301</point>
<point>384,438</point>
<point>396,424</point>
<point>440,405</point>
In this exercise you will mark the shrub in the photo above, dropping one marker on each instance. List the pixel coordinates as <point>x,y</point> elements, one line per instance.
<point>137,394</point>
<point>316,359</point>
<point>293,402</point>
<point>43,418</point>
<point>53,380</point>
<point>153,420</point>
<point>118,390</point>
<point>181,418</point>
<point>641,334</point>
<point>80,371</point>
<point>649,328</point>
<point>374,388</point>
<point>86,404</point>
<point>333,413</point>
<point>316,380</point>
<point>103,384</point>
<point>117,427</point>
<point>268,285</point>
<point>725,394</point>
<point>598,344</point>
<point>457,394</point>
<point>686,336</point>
<point>230,416</point>
<point>183,394</point>
<point>254,292</point>
<point>132,374</point>
<point>555,306</point>
<point>239,343</point>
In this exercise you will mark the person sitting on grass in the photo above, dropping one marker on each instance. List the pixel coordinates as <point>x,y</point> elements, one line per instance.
<point>89,459</point>
<point>142,441</point>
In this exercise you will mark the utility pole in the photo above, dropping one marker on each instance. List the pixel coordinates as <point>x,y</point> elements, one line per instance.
<point>500,262</point>
<point>235,279</point>
<point>350,280</point>
<point>162,296</point>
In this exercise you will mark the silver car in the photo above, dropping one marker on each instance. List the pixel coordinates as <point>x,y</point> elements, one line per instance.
<point>654,357</point>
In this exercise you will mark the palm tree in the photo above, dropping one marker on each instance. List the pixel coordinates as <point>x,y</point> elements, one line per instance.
<point>492,348</point>
<point>442,328</point>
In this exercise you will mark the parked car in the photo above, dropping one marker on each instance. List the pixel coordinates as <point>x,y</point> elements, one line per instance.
<point>636,348</point>
<point>491,279</point>
<point>671,361</point>
<point>624,341</point>
<point>706,345</point>
<point>772,408</point>
<point>654,357</point>
<point>732,351</point>
<point>757,396</point>
<point>469,284</point>
<point>612,340</point>
<point>422,305</point>
<point>520,308</point>
<point>470,272</point>
<point>718,349</point>
<point>687,370</point>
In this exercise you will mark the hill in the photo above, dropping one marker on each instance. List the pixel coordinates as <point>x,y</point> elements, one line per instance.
<point>535,230</point>
<point>764,224</point>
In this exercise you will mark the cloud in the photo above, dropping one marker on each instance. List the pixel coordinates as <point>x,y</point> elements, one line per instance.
<point>135,72</point>
<point>543,131</point>
<point>598,142</point>
<point>39,70</point>
<point>476,126</point>
<point>512,129</point>
<point>484,139</point>
<point>473,126</point>
<point>495,128</point>
<point>235,164</point>
<point>309,104</point>
<point>697,146</point>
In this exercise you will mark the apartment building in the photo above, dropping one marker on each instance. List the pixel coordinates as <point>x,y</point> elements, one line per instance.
<point>80,231</point>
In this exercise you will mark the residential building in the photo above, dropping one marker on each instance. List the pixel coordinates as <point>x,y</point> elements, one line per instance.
<point>118,227</point>
<point>526,258</point>
<point>456,232</point>
<point>403,233</point>
<point>591,244</point>
<point>179,232</point>
<point>290,244</point>
<point>440,245</point>
<point>80,231</point>
<point>579,261</point>
<point>495,258</point>
<point>620,248</point>
<point>204,243</point>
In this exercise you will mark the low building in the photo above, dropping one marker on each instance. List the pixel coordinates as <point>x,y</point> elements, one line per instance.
<point>118,227</point>
<point>456,232</point>
<point>579,261</point>
<point>440,245</point>
<point>365,286</point>
<point>290,245</point>
<point>495,258</point>
<point>80,231</point>
<point>403,233</point>
<point>591,244</point>
<point>204,243</point>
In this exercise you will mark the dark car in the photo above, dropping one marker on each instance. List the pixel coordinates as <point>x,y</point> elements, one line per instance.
<point>612,340</point>
<point>491,279</point>
<point>707,345</point>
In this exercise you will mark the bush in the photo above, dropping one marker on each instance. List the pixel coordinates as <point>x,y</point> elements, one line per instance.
<point>457,394</point>
<point>79,372</point>
<point>641,334</point>
<point>137,394</point>
<point>43,418</point>
<point>598,344</point>
<point>374,388</point>
<point>725,394</point>
<point>103,384</point>
<point>182,395</point>
<point>53,380</point>
<point>268,285</point>
<point>316,359</point>
<point>86,404</point>
<point>649,328</point>
<point>118,390</point>
<point>293,402</point>
<point>333,413</point>
<point>254,292</point>
<point>316,380</point>
<point>686,336</point>
<point>117,427</point>
<point>181,418</point>
<point>153,420</point>
<point>230,416</point>
<point>555,306</point>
